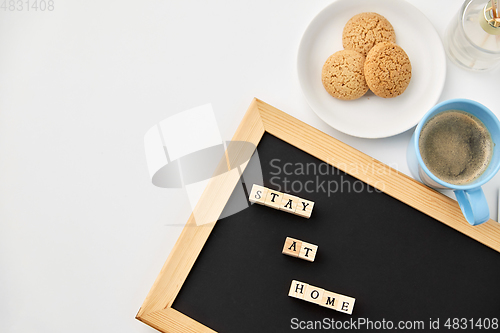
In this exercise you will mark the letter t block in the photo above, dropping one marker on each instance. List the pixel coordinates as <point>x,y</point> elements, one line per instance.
<point>308,251</point>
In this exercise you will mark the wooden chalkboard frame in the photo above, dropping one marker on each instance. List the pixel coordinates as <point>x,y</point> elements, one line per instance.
<point>157,311</point>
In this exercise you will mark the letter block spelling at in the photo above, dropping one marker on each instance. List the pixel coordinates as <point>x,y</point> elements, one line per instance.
<point>292,247</point>
<point>321,297</point>
<point>258,194</point>
<point>297,248</point>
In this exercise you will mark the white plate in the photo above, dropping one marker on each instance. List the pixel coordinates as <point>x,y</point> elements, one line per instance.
<point>371,116</point>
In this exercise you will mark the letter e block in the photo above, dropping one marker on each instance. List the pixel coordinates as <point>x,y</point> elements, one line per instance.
<point>304,208</point>
<point>308,251</point>
<point>297,289</point>
<point>292,247</point>
<point>258,194</point>
<point>345,304</point>
<point>273,199</point>
<point>314,294</point>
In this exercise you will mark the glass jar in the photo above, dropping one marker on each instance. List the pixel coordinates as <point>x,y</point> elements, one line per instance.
<point>472,38</point>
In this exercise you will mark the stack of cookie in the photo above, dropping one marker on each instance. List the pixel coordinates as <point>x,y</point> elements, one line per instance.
<point>371,59</point>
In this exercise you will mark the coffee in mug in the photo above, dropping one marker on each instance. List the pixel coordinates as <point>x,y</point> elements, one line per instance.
<point>455,146</point>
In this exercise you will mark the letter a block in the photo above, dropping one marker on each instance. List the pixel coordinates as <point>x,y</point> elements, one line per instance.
<point>289,203</point>
<point>297,248</point>
<point>292,247</point>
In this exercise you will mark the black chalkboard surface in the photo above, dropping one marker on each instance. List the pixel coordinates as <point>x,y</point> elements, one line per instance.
<point>402,266</point>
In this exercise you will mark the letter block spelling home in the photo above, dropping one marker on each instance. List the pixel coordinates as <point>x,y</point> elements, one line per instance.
<point>296,248</point>
<point>321,297</point>
<point>281,201</point>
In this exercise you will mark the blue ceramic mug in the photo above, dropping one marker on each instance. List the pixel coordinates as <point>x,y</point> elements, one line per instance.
<point>470,196</point>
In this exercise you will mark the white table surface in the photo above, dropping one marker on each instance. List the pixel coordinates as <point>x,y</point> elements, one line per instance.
<point>83,232</point>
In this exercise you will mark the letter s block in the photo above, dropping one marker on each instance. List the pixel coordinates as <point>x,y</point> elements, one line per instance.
<point>258,194</point>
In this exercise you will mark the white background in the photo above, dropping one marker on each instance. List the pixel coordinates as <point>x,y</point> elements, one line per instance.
<point>83,232</point>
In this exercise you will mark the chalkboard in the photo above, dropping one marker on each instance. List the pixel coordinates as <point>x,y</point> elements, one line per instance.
<point>403,266</point>
<point>399,264</point>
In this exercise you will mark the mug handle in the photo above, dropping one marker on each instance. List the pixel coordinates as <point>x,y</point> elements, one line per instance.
<point>473,205</point>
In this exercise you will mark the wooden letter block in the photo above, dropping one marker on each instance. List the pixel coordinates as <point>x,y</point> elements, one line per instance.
<point>304,208</point>
<point>258,194</point>
<point>321,297</point>
<point>314,294</point>
<point>338,302</point>
<point>330,300</point>
<point>297,289</point>
<point>308,251</point>
<point>273,199</point>
<point>345,304</point>
<point>282,201</point>
<point>292,247</point>
<point>289,203</point>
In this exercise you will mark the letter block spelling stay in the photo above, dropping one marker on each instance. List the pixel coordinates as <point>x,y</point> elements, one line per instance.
<point>281,201</point>
<point>321,297</point>
<point>297,248</point>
